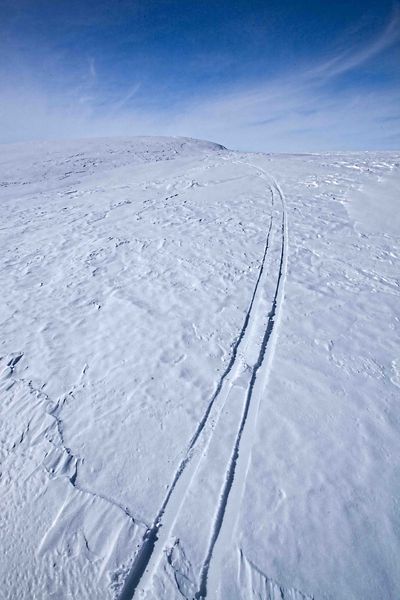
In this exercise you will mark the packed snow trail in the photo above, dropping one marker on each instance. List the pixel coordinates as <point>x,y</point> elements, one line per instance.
<point>225,521</point>
<point>251,347</point>
<point>158,534</point>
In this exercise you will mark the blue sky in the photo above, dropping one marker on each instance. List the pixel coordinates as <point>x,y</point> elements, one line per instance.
<point>300,75</point>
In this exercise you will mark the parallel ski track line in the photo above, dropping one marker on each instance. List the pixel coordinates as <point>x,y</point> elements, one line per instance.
<point>151,536</point>
<point>251,403</point>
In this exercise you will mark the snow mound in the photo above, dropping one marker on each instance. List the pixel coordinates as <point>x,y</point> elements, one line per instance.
<point>51,161</point>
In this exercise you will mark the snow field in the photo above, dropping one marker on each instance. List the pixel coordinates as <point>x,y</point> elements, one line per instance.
<point>199,372</point>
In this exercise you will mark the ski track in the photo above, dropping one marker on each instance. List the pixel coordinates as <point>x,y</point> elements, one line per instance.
<point>144,555</point>
<point>229,504</point>
<point>155,538</point>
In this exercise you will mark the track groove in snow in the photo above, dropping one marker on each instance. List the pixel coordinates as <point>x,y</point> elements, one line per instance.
<point>142,559</point>
<point>229,504</point>
<point>250,347</point>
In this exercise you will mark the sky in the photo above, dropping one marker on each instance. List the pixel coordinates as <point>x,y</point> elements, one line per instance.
<point>273,76</point>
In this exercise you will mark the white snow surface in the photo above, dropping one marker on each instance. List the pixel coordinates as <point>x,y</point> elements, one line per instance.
<point>199,374</point>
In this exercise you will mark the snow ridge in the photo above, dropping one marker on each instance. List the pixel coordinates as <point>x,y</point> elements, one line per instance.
<point>255,584</point>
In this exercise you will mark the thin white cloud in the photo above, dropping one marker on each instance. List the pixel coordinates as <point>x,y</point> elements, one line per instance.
<point>121,102</point>
<point>353,57</point>
<point>294,118</point>
<point>290,113</point>
<point>92,69</point>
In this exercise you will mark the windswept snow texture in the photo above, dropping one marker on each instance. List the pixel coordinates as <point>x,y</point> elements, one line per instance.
<point>199,373</point>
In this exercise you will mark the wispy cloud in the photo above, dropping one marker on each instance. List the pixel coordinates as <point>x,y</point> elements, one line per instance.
<point>121,102</point>
<point>92,69</point>
<point>296,111</point>
<point>352,56</point>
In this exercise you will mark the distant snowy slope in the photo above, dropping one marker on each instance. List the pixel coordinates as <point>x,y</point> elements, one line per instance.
<point>53,163</point>
<point>199,372</point>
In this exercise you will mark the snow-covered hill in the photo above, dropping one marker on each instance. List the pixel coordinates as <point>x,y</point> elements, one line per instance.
<point>200,372</point>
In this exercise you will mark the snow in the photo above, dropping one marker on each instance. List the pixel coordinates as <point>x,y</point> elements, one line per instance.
<point>372,205</point>
<point>200,372</point>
